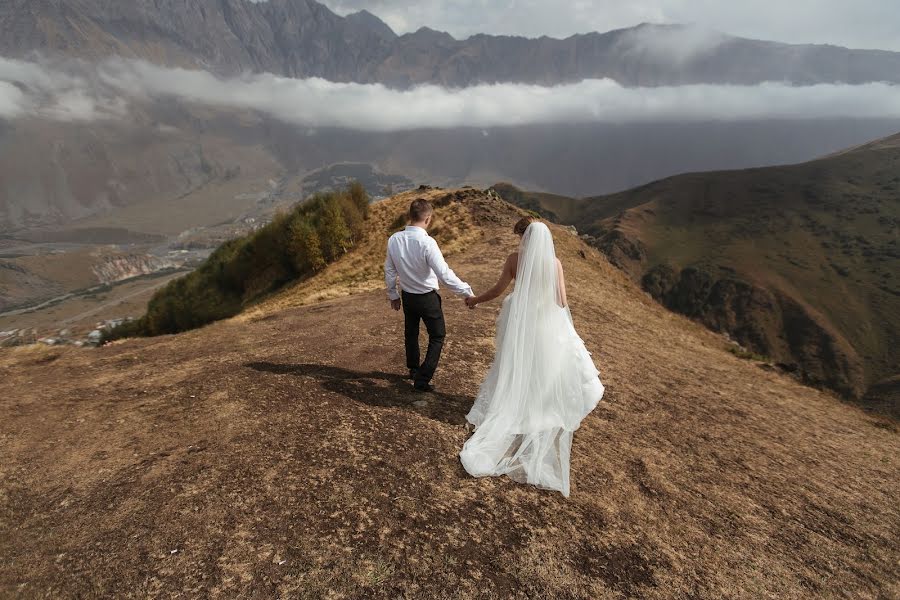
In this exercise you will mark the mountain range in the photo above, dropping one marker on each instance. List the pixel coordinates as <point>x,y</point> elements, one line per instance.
<point>303,38</point>
<point>174,156</point>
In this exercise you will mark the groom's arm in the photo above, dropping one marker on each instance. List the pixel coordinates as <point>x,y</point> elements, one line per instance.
<point>390,278</point>
<point>444,273</point>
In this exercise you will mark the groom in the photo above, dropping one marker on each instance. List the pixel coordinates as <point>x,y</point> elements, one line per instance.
<point>414,257</point>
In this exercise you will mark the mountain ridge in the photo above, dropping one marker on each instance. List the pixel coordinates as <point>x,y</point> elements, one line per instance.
<point>306,39</point>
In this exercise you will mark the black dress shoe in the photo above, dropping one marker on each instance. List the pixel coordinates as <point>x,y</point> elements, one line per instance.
<point>423,387</point>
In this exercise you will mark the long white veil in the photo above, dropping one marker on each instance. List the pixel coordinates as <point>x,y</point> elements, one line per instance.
<point>542,382</point>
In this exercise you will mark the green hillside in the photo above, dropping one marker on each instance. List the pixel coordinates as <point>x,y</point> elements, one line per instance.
<point>243,270</point>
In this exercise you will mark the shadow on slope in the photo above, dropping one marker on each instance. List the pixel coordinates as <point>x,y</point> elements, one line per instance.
<point>376,388</point>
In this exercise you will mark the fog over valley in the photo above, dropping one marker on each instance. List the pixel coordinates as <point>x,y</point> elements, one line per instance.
<point>83,91</point>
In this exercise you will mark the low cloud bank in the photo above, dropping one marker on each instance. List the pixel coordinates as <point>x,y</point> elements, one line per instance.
<point>670,46</point>
<point>79,91</point>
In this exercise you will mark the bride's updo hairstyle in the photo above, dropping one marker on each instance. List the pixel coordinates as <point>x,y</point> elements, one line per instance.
<point>522,224</point>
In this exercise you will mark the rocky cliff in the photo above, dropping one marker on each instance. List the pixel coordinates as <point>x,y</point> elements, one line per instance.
<point>117,267</point>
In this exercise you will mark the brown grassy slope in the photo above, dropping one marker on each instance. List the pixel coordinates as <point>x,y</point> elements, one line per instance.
<point>363,269</point>
<point>281,455</point>
<point>798,262</point>
<point>557,208</point>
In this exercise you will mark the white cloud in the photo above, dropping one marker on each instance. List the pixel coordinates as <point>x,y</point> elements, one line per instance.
<point>43,90</point>
<point>670,46</point>
<point>78,91</point>
<point>12,100</point>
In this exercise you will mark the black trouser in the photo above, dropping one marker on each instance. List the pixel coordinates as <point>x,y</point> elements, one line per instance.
<point>426,307</point>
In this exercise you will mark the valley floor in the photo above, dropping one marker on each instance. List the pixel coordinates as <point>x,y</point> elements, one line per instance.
<point>281,454</point>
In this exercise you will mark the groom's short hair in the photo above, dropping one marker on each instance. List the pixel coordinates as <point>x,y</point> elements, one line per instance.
<point>419,210</point>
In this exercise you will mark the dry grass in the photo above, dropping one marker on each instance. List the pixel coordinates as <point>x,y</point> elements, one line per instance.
<point>282,455</point>
<point>362,269</point>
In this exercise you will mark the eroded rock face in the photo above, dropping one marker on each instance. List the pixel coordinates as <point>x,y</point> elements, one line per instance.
<point>118,267</point>
<point>884,396</point>
<point>623,251</point>
<point>825,357</point>
<point>768,322</point>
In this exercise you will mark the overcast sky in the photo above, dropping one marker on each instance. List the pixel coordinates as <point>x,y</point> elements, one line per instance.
<point>851,23</point>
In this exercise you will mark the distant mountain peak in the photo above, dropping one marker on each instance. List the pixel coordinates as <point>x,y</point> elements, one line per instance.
<point>372,23</point>
<point>433,34</point>
<point>365,14</point>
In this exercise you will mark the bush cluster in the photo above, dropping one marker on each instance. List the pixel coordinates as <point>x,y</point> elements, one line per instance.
<point>293,245</point>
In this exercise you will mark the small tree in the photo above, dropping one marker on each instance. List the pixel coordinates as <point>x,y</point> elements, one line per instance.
<point>333,230</point>
<point>306,247</point>
<point>359,196</point>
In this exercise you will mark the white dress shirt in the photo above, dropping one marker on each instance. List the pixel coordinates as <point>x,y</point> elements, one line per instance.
<point>414,257</point>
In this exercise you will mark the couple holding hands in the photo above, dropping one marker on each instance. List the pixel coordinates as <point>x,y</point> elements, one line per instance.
<point>542,382</point>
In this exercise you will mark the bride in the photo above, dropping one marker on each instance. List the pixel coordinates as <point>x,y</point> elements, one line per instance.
<point>542,382</point>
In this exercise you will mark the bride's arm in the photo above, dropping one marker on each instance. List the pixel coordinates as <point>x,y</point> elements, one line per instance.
<point>505,277</point>
<point>561,298</point>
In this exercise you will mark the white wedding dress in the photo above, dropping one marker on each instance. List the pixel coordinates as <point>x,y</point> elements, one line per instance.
<point>542,383</point>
